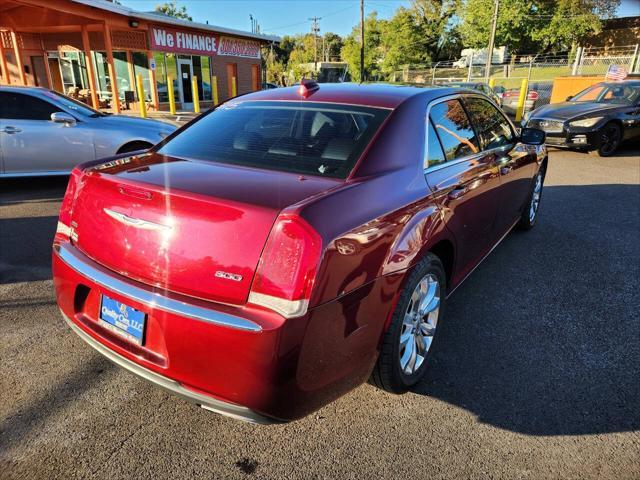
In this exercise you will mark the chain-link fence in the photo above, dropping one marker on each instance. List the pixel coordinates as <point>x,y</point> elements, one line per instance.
<point>538,70</point>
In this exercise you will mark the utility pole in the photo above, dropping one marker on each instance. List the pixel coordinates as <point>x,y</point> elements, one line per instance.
<point>324,54</point>
<point>361,41</point>
<point>492,38</point>
<point>252,24</point>
<point>314,30</point>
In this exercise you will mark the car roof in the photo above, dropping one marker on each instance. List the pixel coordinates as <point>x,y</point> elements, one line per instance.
<point>21,88</point>
<point>370,95</point>
<point>634,82</point>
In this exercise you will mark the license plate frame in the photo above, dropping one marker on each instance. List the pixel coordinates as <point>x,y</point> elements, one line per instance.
<point>122,319</point>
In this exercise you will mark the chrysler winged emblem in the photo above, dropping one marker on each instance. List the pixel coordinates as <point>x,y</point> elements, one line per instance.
<point>136,222</point>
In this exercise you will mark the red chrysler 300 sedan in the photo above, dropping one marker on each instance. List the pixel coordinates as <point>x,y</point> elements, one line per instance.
<point>287,246</point>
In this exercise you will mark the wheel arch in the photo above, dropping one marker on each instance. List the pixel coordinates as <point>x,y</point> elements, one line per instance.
<point>445,251</point>
<point>129,144</point>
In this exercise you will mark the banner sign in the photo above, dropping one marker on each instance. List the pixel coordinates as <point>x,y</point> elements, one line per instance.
<point>165,39</point>
<point>239,47</point>
<point>180,41</point>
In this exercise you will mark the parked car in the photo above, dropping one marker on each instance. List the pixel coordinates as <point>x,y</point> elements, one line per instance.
<point>43,132</point>
<point>597,119</point>
<point>480,86</point>
<point>538,94</point>
<point>308,245</point>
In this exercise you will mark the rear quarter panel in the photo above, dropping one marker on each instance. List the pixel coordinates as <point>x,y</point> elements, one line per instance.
<point>384,218</point>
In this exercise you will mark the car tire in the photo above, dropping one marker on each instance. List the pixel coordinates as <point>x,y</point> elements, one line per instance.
<point>610,137</point>
<point>409,331</point>
<point>530,213</point>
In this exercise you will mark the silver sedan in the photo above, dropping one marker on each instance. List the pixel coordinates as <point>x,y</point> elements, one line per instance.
<point>45,133</point>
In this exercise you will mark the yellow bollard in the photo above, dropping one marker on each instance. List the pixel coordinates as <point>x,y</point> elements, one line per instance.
<point>521,99</point>
<point>215,91</point>
<point>492,83</point>
<point>172,97</point>
<point>196,95</point>
<point>234,87</point>
<point>141,97</point>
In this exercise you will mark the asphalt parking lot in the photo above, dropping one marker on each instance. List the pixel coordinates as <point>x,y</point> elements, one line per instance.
<point>535,374</point>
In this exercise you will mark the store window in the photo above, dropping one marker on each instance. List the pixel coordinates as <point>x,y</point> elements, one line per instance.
<point>102,74</point>
<point>202,70</point>
<point>172,71</point>
<point>167,65</point>
<point>122,73</point>
<point>73,72</point>
<point>141,67</point>
<point>161,77</point>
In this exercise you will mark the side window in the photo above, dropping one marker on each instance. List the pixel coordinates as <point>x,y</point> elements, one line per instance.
<point>493,128</point>
<point>435,155</point>
<point>454,129</point>
<point>17,106</point>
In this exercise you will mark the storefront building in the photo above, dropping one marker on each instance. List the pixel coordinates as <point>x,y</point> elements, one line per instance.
<point>93,50</point>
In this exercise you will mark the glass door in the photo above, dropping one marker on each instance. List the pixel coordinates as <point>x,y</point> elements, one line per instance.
<point>185,70</point>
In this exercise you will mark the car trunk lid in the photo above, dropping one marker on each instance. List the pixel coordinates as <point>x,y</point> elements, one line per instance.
<point>195,228</point>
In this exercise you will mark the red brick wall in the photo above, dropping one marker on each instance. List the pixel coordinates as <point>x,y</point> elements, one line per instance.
<point>244,74</point>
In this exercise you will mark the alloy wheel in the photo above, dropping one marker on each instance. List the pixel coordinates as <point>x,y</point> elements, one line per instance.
<point>419,324</point>
<point>535,198</point>
<point>609,139</point>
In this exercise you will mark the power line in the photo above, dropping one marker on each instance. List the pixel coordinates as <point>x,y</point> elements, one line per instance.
<point>324,15</point>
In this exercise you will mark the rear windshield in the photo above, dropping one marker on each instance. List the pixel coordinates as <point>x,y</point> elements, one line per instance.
<point>307,138</point>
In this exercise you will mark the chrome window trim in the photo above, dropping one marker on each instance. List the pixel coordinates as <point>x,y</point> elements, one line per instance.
<point>221,407</point>
<point>308,101</point>
<point>467,158</point>
<point>99,275</point>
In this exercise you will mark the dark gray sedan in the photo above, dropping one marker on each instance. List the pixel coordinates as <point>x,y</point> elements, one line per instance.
<point>45,133</point>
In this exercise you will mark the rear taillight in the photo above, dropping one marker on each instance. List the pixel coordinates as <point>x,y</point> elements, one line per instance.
<point>64,231</point>
<point>288,266</point>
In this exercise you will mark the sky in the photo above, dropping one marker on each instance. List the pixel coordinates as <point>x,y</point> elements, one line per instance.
<point>281,17</point>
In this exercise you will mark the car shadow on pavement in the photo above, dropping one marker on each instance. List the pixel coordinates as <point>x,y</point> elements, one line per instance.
<point>25,248</point>
<point>15,190</point>
<point>544,337</point>
<point>32,417</point>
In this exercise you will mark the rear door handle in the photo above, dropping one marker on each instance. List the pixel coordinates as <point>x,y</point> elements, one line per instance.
<point>10,130</point>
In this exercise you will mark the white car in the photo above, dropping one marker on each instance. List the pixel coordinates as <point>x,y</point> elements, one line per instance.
<point>42,132</point>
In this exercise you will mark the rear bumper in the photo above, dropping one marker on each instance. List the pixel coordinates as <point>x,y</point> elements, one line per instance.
<point>241,361</point>
<point>210,403</point>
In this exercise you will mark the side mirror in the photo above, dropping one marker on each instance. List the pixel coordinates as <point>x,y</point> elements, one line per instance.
<point>569,97</point>
<point>62,117</point>
<point>532,136</point>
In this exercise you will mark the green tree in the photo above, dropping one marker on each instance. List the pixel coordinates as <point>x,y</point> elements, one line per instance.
<point>437,20</point>
<point>533,25</point>
<point>405,40</point>
<point>565,22</point>
<point>332,45</point>
<point>373,50</point>
<point>513,28</point>
<point>171,9</point>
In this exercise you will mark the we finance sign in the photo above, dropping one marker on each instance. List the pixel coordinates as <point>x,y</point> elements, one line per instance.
<point>183,41</point>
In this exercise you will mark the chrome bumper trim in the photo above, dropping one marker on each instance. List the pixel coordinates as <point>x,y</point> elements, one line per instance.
<point>83,265</point>
<point>237,412</point>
